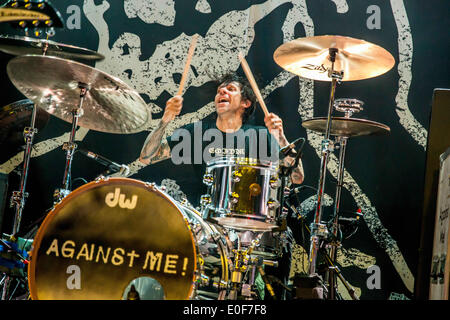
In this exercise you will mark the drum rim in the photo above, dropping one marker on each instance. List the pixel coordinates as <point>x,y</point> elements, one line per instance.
<point>90,185</point>
<point>241,161</point>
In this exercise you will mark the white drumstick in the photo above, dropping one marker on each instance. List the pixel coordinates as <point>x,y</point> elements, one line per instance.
<point>252,81</point>
<point>188,63</point>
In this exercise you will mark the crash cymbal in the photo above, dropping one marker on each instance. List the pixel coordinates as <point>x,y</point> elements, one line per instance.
<point>346,127</point>
<point>15,117</point>
<point>52,83</point>
<point>309,58</point>
<point>19,46</point>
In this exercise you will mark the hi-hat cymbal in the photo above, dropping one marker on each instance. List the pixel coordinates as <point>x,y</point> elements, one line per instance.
<point>14,117</point>
<point>19,46</point>
<point>346,127</point>
<point>52,83</point>
<point>357,59</point>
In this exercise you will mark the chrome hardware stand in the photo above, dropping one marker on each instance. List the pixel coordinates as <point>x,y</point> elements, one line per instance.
<point>348,106</point>
<point>335,269</point>
<point>242,261</point>
<point>18,197</point>
<point>335,226</point>
<point>318,230</point>
<point>336,272</point>
<point>70,146</point>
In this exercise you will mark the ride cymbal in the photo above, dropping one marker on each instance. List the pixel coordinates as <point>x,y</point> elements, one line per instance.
<point>53,84</point>
<point>310,58</point>
<point>346,127</point>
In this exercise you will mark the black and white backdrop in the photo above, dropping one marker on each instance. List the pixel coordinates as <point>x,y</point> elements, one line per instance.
<point>145,44</point>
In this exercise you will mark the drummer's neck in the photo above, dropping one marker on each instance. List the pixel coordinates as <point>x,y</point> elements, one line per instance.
<point>228,124</point>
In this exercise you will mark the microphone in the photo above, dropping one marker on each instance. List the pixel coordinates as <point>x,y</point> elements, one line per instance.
<point>298,189</point>
<point>289,149</point>
<point>111,165</point>
<point>344,220</point>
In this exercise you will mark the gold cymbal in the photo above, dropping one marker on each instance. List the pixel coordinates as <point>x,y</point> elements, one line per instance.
<point>310,58</point>
<point>19,46</point>
<point>346,127</point>
<point>52,84</point>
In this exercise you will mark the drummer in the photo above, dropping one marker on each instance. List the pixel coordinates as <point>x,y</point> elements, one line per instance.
<point>234,104</point>
<point>229,134</point>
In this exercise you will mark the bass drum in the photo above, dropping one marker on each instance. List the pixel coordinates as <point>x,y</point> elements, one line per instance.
<point>121,238</point>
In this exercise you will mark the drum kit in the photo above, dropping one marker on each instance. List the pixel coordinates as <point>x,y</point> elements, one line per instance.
<point>122,238</point>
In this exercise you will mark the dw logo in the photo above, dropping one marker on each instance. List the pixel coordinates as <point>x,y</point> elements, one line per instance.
<point>117,198</point>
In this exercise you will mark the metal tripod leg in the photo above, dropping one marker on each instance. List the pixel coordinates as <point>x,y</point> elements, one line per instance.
<point>336,270</point>
<point>338,273</point>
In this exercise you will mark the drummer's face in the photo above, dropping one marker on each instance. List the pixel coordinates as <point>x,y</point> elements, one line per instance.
<point>229,99</point>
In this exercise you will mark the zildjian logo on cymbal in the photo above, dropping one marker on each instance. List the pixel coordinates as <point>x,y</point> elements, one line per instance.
<point>320,68</point>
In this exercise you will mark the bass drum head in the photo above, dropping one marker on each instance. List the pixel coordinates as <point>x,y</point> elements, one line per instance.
<point>106,234</point>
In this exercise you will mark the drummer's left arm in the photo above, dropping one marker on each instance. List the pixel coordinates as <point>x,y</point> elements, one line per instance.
<point>275,126</point>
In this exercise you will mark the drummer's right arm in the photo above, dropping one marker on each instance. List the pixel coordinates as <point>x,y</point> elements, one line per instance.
<point>154,148</point>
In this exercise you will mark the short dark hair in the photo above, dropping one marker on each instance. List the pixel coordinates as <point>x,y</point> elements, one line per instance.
<point>246,91</point>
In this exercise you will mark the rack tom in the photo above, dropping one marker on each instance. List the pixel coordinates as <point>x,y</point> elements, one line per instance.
<point>242,194</point>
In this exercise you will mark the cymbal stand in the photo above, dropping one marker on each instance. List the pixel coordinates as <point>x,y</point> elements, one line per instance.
<point>337,272</point>
<point>331,262</point>
<point>335,243</point>
<point>71,146</point>
<point>349,106</point>
<point>18,197</point>
<point>319,230</point>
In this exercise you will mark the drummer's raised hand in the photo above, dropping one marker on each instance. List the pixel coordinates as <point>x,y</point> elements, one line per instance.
<point>173,108</point>
<point>275,126</point>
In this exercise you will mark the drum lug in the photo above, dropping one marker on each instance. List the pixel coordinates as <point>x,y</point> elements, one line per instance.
<point>151,185</point>
<point>236,176</point>
<point>59,195</point>
<point>273,204</point>
<point>274,182</point>
<point>101,178</point>
<point>208,179</point>
<point>234,198</point>
<point>205,199</point>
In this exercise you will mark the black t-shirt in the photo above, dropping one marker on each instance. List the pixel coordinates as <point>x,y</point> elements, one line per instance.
<point>198,143</point>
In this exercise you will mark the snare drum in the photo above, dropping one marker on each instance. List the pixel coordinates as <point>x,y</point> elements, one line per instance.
<point>242,194</point>
<point>110,235</point>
